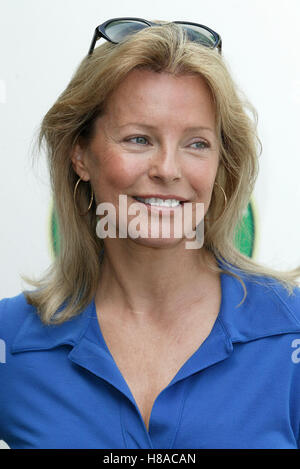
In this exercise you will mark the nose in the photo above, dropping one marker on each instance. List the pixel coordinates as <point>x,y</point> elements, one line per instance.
<point>165,165</point>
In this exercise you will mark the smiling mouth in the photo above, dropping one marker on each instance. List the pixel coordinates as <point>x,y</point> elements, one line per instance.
<point>159,205</point>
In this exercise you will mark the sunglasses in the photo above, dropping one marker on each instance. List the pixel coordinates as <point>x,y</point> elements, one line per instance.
<point>118,29</point>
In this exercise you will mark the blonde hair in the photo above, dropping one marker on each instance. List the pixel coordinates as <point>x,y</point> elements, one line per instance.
<point>71,281</point>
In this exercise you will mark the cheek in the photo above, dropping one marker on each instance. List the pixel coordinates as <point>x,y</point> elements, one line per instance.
<point>202,177</point>
<point>118,172</point>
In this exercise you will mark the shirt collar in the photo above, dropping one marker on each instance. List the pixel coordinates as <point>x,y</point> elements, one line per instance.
<point>266,311</point>
<point>34,335</point>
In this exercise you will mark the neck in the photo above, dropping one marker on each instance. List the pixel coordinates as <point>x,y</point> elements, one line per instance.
<point>152,283</point>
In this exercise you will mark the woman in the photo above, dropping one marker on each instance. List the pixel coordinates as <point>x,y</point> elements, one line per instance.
<point>139,342</point>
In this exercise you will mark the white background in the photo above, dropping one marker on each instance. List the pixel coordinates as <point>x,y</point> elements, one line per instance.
<point>41,43</point>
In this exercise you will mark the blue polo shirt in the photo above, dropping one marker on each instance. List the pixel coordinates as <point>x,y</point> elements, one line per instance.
<point>61,388</point>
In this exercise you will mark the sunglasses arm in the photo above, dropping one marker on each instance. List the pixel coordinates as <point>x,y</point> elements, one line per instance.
<point>220,46</point>
<point>94,40</point>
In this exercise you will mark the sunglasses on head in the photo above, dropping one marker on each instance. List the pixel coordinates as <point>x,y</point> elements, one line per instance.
<point>118,29</point>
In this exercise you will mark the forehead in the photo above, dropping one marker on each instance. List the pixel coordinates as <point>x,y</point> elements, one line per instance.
<point>145,94</point>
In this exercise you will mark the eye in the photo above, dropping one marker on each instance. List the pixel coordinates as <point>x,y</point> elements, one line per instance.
<point>138,140</point>
<point>201,145</point>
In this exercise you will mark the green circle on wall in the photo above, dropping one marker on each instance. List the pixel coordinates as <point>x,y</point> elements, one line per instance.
<point>245,238</point>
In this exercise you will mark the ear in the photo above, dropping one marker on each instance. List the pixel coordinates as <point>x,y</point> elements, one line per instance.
<point>78,157</point>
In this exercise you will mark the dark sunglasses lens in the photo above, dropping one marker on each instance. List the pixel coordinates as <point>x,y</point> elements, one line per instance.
<point>119,30</point>
<point>201,35</point>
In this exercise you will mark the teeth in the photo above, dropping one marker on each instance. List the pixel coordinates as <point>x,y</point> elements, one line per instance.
<point>160,202</point>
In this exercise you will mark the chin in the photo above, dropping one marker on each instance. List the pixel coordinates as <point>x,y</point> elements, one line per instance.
<point>162,243</point>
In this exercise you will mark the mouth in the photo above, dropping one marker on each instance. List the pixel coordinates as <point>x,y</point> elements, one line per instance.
<point>166,205</point>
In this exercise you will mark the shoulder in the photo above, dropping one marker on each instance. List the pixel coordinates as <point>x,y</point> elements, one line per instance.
<point>265,309</point>
<point>272,294</point>
<point>21,327</point>
<point>13,312</point>
<point>290,301</point>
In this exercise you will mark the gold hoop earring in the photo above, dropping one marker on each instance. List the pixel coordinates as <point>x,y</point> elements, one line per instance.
<point>225,202</point>
<point>74,198</point>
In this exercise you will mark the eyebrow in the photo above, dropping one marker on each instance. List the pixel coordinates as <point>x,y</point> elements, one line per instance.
<point>153,127</point>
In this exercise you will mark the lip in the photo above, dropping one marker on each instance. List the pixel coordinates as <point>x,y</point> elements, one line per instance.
<point>161,196</point>
<point>159,208</point>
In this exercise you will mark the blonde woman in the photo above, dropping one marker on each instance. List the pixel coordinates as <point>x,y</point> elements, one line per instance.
<point>140,342</point>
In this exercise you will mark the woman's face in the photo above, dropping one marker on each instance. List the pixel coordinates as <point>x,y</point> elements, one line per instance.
<point>157,136</point>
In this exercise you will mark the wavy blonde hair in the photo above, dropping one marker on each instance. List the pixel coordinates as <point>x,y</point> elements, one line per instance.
<point>70,282</point>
